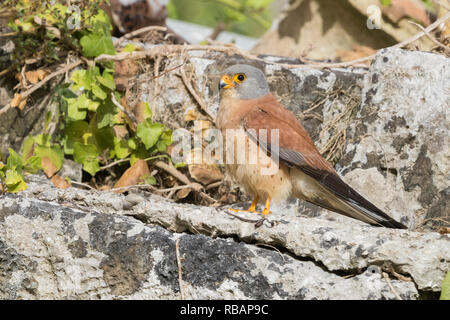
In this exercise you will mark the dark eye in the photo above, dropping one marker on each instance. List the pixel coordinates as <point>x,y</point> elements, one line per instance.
<point>241,77</point>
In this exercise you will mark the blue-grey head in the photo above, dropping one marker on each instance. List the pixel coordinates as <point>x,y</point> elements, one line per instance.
<point>244,82</point>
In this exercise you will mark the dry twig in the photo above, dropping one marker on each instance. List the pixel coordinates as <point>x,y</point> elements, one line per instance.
<point>189,85</point>
<point>180,277</point>
<point>42,82</point>
<point>386,277</point>
<point>432,38</point>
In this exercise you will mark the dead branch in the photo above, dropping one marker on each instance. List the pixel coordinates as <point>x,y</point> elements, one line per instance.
<point>194,93</point>
<point>180,277</point>
<point>432,38</point>
<point>42,82</point>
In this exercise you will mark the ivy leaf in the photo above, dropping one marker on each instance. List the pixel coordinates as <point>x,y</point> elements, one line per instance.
<point>121,148</point>
<point>86,154</point>
<point>149,133</point>
<point>258,4</point>
<point>74,132</point>
<point>76,107</point>
<point>150,180</point>
<point>14,181</point>
<point>164,141</point>
<point>145,110</point>
<point>129,48</point>
<point>14,161</point>
<point>43,139</point>
<point>103,137</point>
<point>27,148</point>
<point>106,114</point>
<point>83,79</point>
<point>98,92</point>
<point>51,159</point>
<point>94,44</point>
<point>33,164</point>
<point>445,292</point>
<point>139,154</point>
<point>107,80</point>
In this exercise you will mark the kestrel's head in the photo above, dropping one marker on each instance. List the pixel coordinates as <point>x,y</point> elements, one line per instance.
<point>244,82</point>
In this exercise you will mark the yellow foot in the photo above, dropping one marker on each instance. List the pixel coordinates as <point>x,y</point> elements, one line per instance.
<point>251,209</point>
<point>266,210</point>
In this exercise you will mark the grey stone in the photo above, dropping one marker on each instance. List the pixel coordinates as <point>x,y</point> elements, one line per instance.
<point>51,251</point>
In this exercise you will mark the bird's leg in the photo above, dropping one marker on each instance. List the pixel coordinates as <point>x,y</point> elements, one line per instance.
<point>266,210</point>
<point>252,206</point>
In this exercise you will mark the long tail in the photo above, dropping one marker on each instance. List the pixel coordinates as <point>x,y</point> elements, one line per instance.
<point>339,197</point>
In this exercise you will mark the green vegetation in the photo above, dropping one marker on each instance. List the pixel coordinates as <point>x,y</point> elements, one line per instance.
<point>89,111</point>
<point>445,291</point>
<point>248,17</point>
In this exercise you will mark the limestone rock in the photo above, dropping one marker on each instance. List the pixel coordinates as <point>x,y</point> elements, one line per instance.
<point>59,249</point>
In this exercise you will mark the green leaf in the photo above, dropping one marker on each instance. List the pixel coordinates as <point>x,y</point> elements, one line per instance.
<point>27,148</point>
<point>149,133</point>
<point>76,107</point>
<point>14,181</point>
<point>54,154</point>
<point>258,4</point>
<point>106,114</point>
<point>83,79</point>
<point>150,180</point>
<point>74,132</point>
<point>98,92</point>
<point>107,80</point>
<point>48,119</point>
<point>146,111</point>
<point>43,139</point>
<point>14,161</point>
<point>179,165</point>
<point>132,143</point>
<point>103,137</point>
<point>129,48</point>
<point>94,44</point>
<point>33,164</point>
<point>164,141</point>
<point>139,154</point>
<point>386,3</point>
<point>445,291</point>
<point>121,148</point>
<point>86,154</point>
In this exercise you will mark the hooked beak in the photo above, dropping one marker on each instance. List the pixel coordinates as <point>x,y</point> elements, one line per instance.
<point>225,83</point>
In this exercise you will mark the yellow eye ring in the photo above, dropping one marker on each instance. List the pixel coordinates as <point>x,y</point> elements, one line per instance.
<point>239,77</point>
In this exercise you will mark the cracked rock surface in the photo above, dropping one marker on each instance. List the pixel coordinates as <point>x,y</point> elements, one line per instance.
<point>73,243</point>
<point>89,248</point>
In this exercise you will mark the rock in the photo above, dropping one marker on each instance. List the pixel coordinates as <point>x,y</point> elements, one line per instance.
<point>394,146</point>
<point>49,250</point>
<point>319,28</point>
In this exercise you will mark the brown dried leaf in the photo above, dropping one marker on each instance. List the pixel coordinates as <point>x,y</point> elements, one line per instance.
<point>400,9</point>
<point>133,175</point>
<point>16,100</point>
<point>191,115</point>
<point>124,70</point>
<point>48,167</point>
<point>444,230</point>
<point>205,173</point>
<point>60,182</point>
<point>183,193</point>
<point>22,104</point>
<point>357,53</point>
<point>35,76</point>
